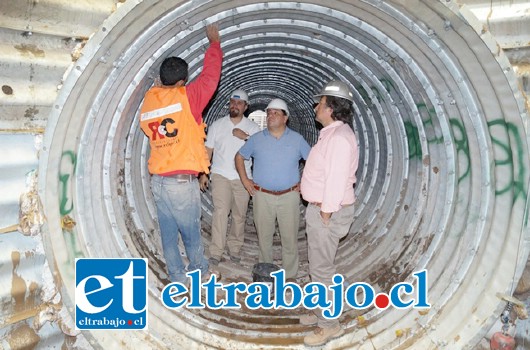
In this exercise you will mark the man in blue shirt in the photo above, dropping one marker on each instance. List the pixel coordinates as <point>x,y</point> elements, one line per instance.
<point>277,151</point>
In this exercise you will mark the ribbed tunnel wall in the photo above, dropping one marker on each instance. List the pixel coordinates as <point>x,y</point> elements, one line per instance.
<point>442,183</point>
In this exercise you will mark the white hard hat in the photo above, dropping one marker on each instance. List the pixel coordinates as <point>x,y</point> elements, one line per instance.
<point>239,95</point>
<point>278,103</point>
<point>335,88</point>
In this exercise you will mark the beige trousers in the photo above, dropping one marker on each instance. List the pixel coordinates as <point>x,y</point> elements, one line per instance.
<point>285,209</point>
<point>322,245</point>
<point>229,197</point>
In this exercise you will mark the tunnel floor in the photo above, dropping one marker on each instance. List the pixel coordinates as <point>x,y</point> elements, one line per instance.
<point>242,271</point>
<point>270,322</point>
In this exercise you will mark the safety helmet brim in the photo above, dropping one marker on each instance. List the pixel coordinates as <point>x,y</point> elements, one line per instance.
<point>240,95</point>
<point>335,88</point>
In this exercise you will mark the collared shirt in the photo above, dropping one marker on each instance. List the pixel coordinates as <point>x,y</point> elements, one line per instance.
<point>225,145</point>
<point>276,160</point>
<point>329,172</point>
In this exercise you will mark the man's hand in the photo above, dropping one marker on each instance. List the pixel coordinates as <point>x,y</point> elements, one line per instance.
<point>203,182</point>
<point>212,33</point>
<point>297,188</point>
<point>325,217</point>
<point>249,186</point>
<point>240,167</point>
<point>240,134</point>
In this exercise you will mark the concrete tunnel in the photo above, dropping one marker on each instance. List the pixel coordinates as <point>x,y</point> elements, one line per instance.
<point>442,183</point>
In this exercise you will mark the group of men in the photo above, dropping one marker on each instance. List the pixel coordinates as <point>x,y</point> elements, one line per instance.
<point>171,116</point>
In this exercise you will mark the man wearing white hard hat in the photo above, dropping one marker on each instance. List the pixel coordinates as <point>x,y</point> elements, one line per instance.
<point>327,185</point>
<point>225,137</point>
<point>277,151</point>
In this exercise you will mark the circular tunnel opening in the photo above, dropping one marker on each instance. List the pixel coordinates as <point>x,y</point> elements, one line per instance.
<point>443,170</point>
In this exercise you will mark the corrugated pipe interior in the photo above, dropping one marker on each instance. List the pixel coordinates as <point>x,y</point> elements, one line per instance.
<point>442,183</point>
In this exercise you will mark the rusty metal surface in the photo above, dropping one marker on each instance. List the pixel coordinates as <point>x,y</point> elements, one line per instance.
<point>29,300</point>
<point>40,40</point>
<point>432,99</point>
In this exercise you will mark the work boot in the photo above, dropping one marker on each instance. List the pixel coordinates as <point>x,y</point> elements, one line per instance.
<point>308,319</point>
<point>321,336</point>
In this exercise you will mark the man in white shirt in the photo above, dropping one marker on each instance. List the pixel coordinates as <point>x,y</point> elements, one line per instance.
<point>225,138</point>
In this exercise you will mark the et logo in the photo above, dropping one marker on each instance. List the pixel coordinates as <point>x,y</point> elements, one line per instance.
<point>111,294</point>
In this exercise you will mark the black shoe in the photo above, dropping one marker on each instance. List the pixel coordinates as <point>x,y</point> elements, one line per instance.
<point>213,261</point>
<point>235,259</point>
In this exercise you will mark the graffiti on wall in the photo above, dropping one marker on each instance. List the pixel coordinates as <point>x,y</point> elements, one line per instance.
<point>66,174</point>
<point>503,156</point>
<point>509,162</point>
<point>66,204</point>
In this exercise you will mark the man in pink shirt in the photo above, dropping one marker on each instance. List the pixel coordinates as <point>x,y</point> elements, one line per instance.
<point>327,185</point>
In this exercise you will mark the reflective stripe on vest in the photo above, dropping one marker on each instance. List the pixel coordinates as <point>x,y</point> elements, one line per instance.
<point>157,113</point>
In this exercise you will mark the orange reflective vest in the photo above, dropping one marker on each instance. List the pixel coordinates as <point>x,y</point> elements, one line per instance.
<point>177,141</point>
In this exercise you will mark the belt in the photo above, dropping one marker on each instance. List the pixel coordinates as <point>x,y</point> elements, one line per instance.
<point>318,204</point>
<point>183,177</point>
<point>276,193</point>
